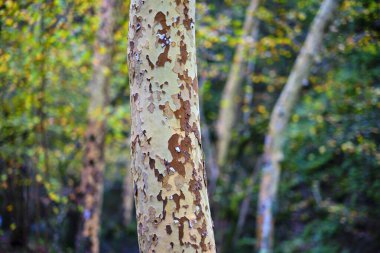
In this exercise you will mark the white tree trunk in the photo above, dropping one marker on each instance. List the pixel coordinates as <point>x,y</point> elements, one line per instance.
<point>273,153</point>
<point>173,212</point>
<point>228,103</point>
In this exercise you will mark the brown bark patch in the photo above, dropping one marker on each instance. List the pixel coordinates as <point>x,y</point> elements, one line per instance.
<point>177,199</point>
<point>183,114</point>
<point>187,80</point>
<point>152,165</point>
<point>183,52</point>
<point>195,186</point>
<point>133,145</point>
<point>151,65</point>
<point>195,130</point>
<point>169,229</point>
<point>166,110</point>
<point>164,202</point>
<point>173,145</point>
<point>163,57</point>
<point>187,21</point>
<point>161,19</point>
<point>135,97</point>
<point>203,232</point>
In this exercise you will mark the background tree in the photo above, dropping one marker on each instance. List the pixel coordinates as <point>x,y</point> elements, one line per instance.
<point>91,187</point>
<point>228,103</point>
<point>171,199</point>
<point>279,121</point>
<point>128,202</point>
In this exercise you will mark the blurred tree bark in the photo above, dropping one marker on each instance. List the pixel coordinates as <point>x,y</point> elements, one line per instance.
<point>128,198</point>
<point>173,212</point>
<point>281,113</point>
<point>248,73</point>
<point>228,105</point>
<point>91,187</point>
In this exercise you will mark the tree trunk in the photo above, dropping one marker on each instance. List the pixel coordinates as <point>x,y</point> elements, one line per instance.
<point>173,212</point>
<point>245,204</point>
<point>228,106</point>
<point>91,187</point>
<point>274,141</point>
<point>249,86</point>
<point>128,198</point>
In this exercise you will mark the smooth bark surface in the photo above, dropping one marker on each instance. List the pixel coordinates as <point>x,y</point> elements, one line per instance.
<point>275,138</point>
<point>128,198</point>
<point>173,212</point>
<point>91,187</point>
<point>228,105</point>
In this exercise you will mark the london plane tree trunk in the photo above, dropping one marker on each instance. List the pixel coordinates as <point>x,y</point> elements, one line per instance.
<point>275,138</point>
<point>91,186</point>
<point>228,105</point>
<point>173,212</point>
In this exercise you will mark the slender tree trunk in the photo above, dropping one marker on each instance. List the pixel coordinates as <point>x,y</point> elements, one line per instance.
<point>275,138</point>
<point>92,174</point>
<point>173,212</point>
<point>249,89</point>
<point>228,105</point>
<point>245,205</point>
<point>128,198</point>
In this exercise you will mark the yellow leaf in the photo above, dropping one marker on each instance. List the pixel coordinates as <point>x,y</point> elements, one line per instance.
<point>261,109</point>
<point>13,226</point>
<point>9,21</point>
<point>38,178</point>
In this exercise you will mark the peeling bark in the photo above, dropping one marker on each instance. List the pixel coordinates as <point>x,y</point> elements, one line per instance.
<point>227,109</point>
<point>173,213</point>
<point>91,187</point>
<point>275,138</point>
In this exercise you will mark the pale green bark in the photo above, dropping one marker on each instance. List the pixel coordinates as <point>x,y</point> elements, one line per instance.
<point>173,212</point>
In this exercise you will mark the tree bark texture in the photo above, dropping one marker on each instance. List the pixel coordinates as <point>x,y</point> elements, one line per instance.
<point>91,187</point>
<point>228,105</point>
<point>173,212</point>
<point>273,153</point>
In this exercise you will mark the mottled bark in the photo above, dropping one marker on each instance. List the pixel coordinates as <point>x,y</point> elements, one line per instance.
<point>91,187</point>
<point>275,138</point>
<point>128,198</point>
<point>228,103</point>
<point>173,213</point>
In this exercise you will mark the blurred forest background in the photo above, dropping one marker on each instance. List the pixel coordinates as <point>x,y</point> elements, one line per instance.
<point>329,192</point>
